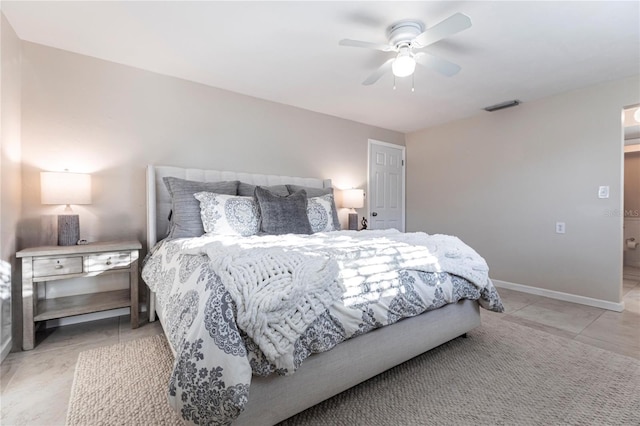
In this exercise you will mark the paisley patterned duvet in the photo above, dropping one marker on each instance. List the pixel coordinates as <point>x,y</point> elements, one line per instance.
<point>215,359</point>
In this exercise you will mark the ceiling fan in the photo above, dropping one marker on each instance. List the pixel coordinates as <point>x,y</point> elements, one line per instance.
<point>409,35</point>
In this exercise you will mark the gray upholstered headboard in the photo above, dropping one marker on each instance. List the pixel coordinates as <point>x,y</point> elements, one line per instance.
<point>159,201</point>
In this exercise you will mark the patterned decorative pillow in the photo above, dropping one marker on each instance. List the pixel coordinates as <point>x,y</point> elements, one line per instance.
<point>319,212</point>
<point>229,214</point>
<point>318,192</point>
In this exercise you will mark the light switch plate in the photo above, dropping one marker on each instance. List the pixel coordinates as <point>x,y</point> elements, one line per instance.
<point>603,192</point>
<point>560,228</point>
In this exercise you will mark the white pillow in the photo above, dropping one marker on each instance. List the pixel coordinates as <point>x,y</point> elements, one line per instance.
<point>319,213</point>
<point>228,214</point>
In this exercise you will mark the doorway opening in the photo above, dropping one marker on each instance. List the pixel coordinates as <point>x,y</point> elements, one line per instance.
<point>631,200</point>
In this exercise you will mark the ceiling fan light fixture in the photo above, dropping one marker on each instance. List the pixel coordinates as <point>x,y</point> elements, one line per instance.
<point>407,36</point>
<point>404,65</point>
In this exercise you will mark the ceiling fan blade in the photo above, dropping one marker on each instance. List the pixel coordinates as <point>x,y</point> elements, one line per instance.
<point>453,24</point>
<point>375,76</point>
<point>366,44</point>
<point>441,65</point>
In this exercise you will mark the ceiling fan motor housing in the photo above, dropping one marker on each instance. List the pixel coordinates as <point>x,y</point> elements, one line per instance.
<point>403,32</point>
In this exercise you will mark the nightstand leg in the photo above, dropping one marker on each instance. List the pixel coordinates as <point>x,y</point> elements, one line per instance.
<point>151,304</point>
<point>28,300</point>
<point>133,285</point>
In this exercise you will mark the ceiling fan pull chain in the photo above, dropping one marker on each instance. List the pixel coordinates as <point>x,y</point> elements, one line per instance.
<point>394,82</point>
<point>413,81</point>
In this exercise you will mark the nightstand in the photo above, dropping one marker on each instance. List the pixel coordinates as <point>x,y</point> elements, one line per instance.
<point>42,264</point>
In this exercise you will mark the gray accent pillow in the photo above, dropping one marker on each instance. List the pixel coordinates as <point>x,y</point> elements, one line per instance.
<point>185,209</point>
<point>318,192</point>
<point>248,190</point>
<point>283,215</point>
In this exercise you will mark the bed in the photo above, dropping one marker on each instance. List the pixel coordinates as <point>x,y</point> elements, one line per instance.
<point>320,373</point>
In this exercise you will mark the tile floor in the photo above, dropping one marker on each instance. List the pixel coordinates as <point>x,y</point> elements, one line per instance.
<point>613,331</point>
<point>35,386</point>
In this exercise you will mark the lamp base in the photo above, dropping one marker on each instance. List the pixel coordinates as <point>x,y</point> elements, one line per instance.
<point>68,229</point>
<point>353,221</point>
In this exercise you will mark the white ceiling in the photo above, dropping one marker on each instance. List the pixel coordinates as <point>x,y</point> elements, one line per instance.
<point>288,52</point>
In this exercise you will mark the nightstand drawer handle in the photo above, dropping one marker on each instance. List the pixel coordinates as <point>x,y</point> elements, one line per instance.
<point>108,261</point>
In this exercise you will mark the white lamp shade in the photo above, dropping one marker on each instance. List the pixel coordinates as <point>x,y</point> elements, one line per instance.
<point>404,65</point>
<point>353,198</point>
<point>65,188</point>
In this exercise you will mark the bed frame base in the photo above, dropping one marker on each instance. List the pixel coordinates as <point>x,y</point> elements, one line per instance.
<point>321,376</point>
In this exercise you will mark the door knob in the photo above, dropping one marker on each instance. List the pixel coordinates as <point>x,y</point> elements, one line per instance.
<point>374,213</point>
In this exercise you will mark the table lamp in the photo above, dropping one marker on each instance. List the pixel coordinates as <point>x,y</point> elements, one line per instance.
<point>353,199</point>
<point>66,188</point>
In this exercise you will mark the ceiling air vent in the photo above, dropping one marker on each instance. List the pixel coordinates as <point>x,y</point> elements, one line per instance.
<point>502,105</point>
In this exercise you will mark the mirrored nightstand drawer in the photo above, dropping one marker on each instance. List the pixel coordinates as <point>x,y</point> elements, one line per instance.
<point>106,261</point>
<point>53,266</point>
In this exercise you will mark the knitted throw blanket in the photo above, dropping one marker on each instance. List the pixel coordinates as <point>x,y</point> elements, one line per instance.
<point>278,294</point>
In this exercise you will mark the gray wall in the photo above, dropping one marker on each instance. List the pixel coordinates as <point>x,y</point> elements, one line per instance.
<point>10,169</point>
<point>110,120</point>
<point>501,181</point>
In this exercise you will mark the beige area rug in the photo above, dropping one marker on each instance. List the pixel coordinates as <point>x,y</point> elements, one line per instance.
<point>123,384</point>
<point>502,374</point>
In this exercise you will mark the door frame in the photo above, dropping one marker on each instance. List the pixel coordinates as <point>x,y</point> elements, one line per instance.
<point>403,203</point>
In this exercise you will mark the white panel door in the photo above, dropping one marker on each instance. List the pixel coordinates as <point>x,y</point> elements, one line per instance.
<point>386,185</point>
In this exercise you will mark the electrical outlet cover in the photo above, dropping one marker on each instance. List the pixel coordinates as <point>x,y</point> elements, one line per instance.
<point>603,192</point>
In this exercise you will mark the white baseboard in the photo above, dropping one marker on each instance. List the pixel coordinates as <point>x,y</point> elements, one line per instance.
<point>6,348</point>
<point>567,297</point>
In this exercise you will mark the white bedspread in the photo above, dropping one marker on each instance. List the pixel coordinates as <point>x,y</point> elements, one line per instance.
<point>282,283</point>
